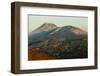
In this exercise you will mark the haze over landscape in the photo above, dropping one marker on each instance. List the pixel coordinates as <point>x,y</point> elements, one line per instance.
<point>36,20</point>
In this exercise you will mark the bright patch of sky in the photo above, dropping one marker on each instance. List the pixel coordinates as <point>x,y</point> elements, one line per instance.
<point>37,20</point>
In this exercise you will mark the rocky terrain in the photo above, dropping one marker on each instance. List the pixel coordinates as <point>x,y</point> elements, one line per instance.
<point>51,42</point>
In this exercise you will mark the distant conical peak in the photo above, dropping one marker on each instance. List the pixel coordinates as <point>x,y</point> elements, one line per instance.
<point>47,24</point>
<point>45,27</point>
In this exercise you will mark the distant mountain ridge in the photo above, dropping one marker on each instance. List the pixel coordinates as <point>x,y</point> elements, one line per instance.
<point>50,30</point>
<point>65,42</point>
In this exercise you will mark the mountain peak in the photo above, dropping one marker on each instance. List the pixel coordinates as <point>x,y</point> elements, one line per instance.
<point>69,27</point>
<point>51,31</point>
<point>48,25</point>
<point>75,30</point>
<point>45,27</point>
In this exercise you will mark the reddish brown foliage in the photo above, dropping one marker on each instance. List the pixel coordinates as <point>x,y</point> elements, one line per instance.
<point>38,55</point>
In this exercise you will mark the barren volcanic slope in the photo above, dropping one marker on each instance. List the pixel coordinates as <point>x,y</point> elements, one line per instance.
<point>52,42</point>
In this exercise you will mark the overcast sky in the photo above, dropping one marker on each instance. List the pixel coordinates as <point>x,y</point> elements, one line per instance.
<point>37,20</point>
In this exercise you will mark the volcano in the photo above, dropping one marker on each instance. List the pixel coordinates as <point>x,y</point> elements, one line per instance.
<point>65,42</point>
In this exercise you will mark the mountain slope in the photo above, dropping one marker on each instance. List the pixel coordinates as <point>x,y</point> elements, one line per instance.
<point>60,42</point>
<point>45,27</point>
<point>49,30</point>
<point>69,33</point>
<point>41,32</point>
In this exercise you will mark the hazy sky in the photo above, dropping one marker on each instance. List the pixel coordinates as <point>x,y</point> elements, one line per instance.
<point>37,20</point>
